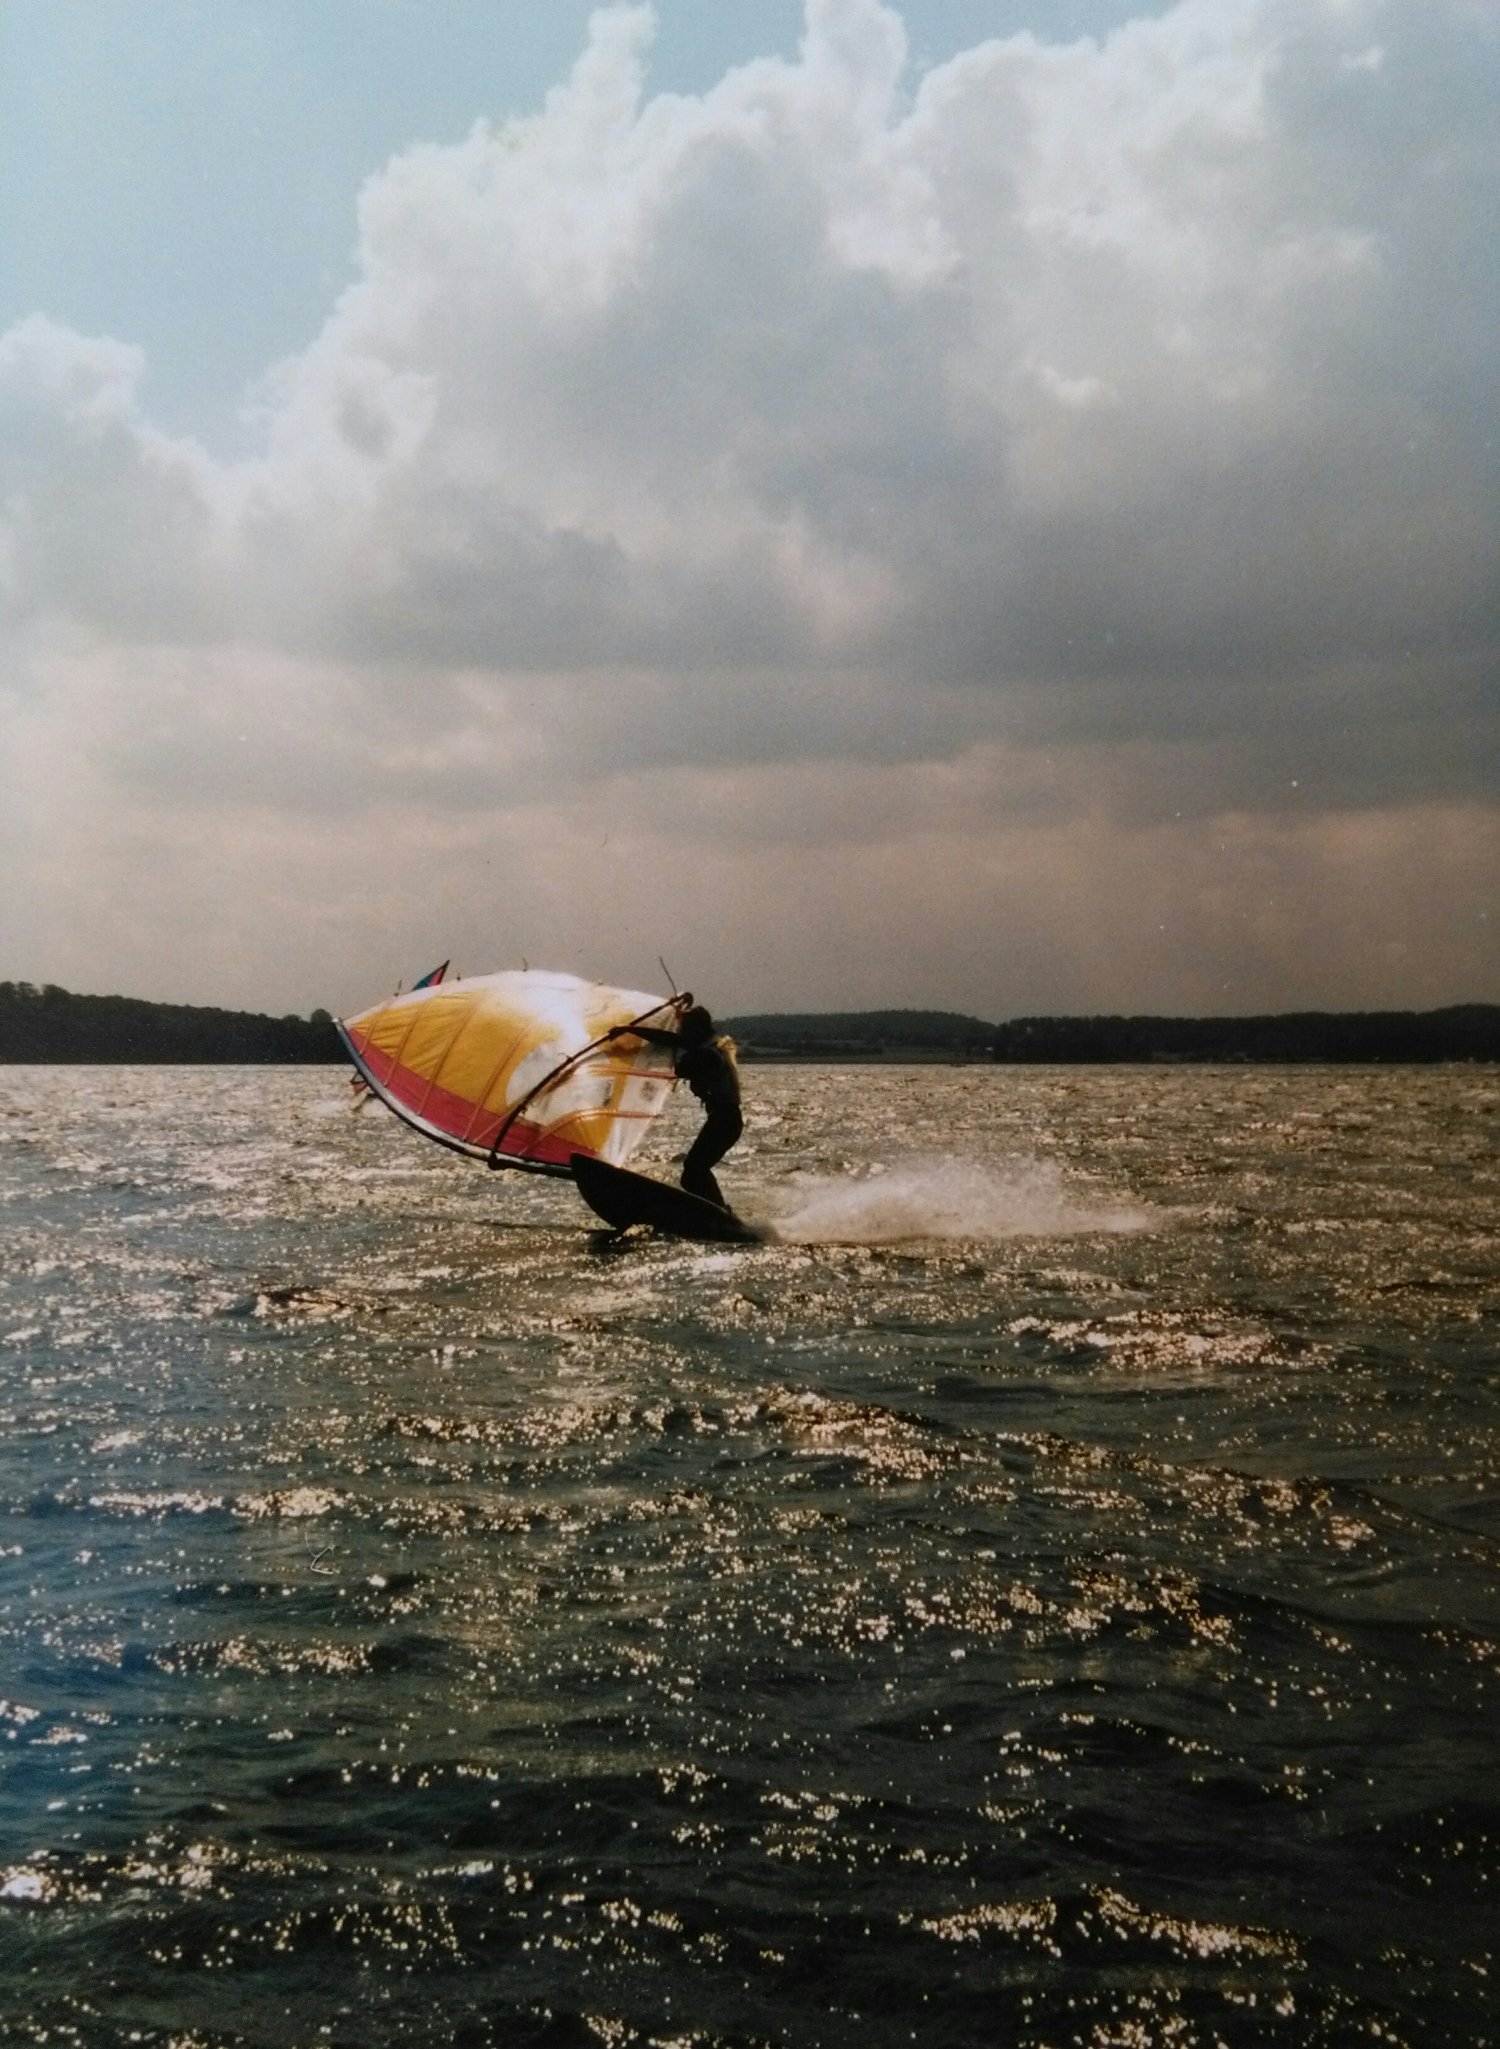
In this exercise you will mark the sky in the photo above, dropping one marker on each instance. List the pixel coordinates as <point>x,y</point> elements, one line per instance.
<point>975,504</point>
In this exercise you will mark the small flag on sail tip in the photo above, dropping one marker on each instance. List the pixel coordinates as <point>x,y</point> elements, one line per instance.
<point>430,981</point>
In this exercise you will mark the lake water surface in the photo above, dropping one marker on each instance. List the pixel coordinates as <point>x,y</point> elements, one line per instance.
<point>1052,1597</point>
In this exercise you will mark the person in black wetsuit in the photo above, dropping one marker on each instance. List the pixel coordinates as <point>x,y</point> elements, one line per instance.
<point>705,1061</point>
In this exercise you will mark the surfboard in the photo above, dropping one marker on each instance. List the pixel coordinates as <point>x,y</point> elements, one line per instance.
<point>623,1198</point>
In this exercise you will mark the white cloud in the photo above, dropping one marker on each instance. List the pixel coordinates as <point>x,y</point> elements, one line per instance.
<point>100,515</point>
<point>1127,404</point>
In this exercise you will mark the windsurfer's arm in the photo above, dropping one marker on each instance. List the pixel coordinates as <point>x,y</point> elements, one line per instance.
<point>652,1034</point>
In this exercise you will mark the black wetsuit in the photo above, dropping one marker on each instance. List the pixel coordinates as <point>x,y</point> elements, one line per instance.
<point>707,1066</point>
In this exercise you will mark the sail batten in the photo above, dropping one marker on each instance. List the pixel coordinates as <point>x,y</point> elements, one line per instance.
<point>516,1068</point>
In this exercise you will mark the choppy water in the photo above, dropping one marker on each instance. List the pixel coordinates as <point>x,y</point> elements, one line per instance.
<point>1053,1598</point>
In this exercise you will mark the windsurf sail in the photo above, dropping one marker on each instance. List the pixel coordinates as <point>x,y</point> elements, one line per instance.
<point>517,1068</point>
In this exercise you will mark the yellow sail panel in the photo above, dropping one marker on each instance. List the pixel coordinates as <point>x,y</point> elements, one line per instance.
<point>513,1065</point>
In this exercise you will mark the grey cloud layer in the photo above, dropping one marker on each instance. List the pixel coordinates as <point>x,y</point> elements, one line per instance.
<point>1170,357</point>
<point>1119,418</point>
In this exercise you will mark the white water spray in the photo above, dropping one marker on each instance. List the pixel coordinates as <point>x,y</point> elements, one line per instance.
<point>948,1198</point>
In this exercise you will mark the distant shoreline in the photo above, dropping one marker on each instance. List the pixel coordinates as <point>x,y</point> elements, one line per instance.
<point>54,1027</point>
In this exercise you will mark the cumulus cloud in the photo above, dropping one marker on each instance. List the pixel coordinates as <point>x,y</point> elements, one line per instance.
<point>101,517</point>
<point>1120,413</point>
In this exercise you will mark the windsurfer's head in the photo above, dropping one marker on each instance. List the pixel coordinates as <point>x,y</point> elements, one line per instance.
<point>697,1026</point>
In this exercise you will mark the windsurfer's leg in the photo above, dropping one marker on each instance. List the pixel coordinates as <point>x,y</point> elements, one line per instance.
<point>708,1148</point>
<point>697,1169</point>
<point>700,1182</point>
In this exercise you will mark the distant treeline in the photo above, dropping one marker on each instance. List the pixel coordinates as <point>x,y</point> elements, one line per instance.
<point>51,1024</point>
<point>1468,1031</point>
<point>862,1034</point>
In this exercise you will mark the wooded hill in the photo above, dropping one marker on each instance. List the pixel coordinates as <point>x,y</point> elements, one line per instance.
<point>1468,1031</point>
<point>52,1025</point>
<point>862,1034</point>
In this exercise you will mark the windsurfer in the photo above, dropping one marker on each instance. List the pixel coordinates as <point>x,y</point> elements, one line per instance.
<point>705,1060</point>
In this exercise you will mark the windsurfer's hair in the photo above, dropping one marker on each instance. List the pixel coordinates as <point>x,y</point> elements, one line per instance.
<point>696,1024</point>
